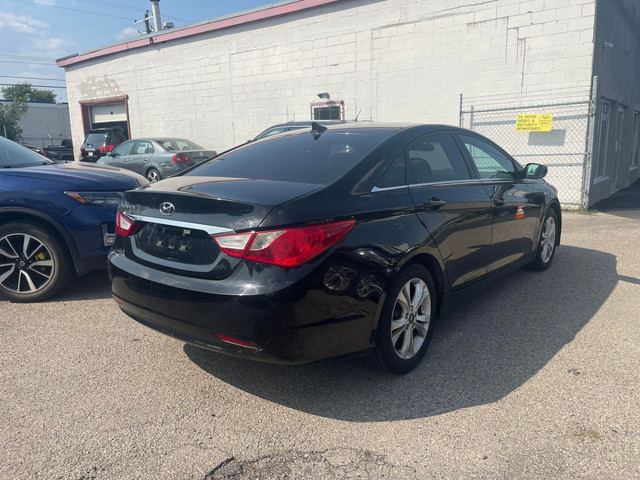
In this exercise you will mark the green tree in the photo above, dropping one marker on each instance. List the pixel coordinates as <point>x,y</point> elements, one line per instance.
<point>24,91</point>
<point>10,116</point>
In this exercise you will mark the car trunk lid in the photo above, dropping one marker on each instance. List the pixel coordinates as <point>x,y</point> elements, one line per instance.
<point>178,217</point>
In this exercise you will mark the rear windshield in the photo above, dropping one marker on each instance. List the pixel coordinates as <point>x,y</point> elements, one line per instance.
<point>177,144</point>
<point>295,158</point>
<point>96,139</point>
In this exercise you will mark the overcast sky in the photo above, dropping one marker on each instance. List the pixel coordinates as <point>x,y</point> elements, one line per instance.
<point>33,33</point>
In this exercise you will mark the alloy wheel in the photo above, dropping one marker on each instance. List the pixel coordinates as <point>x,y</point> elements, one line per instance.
<point>153,176</point>
<point>548,239</point>
<point>26,263</point>
<point>411,317</point>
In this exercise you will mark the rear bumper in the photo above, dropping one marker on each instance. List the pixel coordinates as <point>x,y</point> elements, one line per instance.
<point>300,323</point>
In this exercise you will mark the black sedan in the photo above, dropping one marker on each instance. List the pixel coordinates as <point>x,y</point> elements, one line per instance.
<point>346,240</point>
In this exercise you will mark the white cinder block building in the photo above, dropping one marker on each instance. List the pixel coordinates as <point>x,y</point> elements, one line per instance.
<point>478,63</point>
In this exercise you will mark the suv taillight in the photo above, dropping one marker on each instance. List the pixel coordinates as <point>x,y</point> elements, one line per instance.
<point>288,247</point>
<point>125,226</point>
<point>181,158</point>
<point>106,148</point>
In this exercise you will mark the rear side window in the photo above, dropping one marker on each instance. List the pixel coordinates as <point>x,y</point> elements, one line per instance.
<point>435,158</point>
<point>489,161</point>
<point>142,147</point>
<point>299,158</point>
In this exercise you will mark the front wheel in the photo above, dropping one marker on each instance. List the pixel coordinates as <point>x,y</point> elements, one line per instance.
<point>153,175</point>
<point>406,322</point>
<point>33,263</point>
<point>547,244</point>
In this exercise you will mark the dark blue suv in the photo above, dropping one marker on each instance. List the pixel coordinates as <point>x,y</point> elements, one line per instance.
<point>56,219</point>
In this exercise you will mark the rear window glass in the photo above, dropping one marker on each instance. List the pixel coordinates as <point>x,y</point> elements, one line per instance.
<point>96,139</point>
<point>177,144</point>
<point>295,158</point>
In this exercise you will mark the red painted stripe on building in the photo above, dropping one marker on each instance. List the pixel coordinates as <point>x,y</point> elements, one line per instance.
<point>197,29</point>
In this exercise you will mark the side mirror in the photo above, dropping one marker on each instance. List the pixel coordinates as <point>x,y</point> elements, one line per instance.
<point>535,170</point>
<point>114,154</point>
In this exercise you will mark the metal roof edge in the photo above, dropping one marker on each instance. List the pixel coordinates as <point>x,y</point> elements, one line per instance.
<point>270,10</point>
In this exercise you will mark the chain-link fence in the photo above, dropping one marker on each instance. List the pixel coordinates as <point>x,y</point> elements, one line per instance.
<point>563,149</point>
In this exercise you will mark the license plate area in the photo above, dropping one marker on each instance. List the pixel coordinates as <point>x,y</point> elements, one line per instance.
<point>177,244</point>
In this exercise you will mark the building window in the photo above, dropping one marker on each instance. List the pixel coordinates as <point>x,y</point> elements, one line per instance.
<point>331,110</point>
<point>603,138</point>
<point>636,141</point>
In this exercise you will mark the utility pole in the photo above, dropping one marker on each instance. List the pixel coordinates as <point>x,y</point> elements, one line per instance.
<point>157,19</point>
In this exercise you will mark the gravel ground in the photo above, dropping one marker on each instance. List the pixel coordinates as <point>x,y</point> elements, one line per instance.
<point>535,378</point>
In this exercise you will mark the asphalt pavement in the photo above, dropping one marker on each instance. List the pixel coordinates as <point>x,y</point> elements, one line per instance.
<point>538,377</point>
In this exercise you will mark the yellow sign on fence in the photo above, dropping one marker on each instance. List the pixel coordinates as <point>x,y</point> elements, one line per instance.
<point>534,122</point>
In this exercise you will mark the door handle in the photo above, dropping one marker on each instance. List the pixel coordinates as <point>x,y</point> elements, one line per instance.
<point>498,201</point>
<point>434,203</point>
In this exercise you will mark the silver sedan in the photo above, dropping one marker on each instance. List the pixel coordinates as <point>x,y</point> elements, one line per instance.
<point>157,158</point>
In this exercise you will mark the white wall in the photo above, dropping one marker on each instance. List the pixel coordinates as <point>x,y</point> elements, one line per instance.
<point>42,120</point>
<point>396,60</point>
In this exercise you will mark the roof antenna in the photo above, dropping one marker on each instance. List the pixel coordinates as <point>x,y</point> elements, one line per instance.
<point>317,130</point>
<point>359,112</point>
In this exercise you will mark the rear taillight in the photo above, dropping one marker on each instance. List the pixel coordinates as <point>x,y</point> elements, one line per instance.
<point>105,148</point>
<point>288,247</point>
<point>81,150</point>
<point>180,158</point>
<point>125,226</point>
<point>236,341</point>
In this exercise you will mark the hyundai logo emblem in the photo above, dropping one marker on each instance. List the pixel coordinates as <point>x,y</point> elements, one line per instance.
<point>167,208</point>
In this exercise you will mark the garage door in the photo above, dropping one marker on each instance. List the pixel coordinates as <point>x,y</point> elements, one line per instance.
<point>108,113</point>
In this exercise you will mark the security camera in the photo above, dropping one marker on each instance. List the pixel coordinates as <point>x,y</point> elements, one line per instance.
<point>324,95</point>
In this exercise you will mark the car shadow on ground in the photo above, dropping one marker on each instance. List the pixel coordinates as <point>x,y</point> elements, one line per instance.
<point>482,350</point>
<point>92,286</point>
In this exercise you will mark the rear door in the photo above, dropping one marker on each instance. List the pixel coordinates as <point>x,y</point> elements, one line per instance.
<point>140,155</point>
<point>452,205</point>
<point>516,209</point>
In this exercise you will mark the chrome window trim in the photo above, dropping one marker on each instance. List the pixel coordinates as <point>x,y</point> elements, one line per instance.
<point>480,181</point>
<point>210,229</point>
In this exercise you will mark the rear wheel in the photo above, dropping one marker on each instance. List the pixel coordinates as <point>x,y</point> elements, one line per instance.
<point>547,245</point>
<point>153,175</point>
<point>33,263</point>
<point>405,326</point>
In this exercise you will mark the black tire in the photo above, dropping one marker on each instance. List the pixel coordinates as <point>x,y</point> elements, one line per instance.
<point>543,258</point>
<point>153,175</point>
<point>387,353</point>
<point>36,274</point>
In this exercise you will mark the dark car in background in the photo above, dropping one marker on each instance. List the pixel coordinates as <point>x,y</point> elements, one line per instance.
<point>157,158</point>
<point>100,141</point>
<point>290,126</point>
<point>60,153</point>
<point>56,220</point>
<point>344,240</point>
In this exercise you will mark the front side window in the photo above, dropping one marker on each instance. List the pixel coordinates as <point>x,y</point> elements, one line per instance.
<point>489,161</point>
<point>435,158</point>
<point>123,149</point>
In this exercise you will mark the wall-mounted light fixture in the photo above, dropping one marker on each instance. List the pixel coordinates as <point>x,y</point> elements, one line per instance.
<point>324,95</point>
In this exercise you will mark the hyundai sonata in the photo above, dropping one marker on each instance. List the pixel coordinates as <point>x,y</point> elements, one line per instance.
<point>342,240</point>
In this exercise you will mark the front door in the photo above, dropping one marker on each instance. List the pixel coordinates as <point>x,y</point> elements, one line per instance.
<point>120,155</point>
<point>454,207</point>
<point>516,210</point>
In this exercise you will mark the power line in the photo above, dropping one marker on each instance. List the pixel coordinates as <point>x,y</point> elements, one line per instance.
<point>73,9</point>
<point>33,78</point>
<point>29,62</point>
<point>128,7</point>
<point>27,57</point>
<point>97,13</point>
<point>40,86</point>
